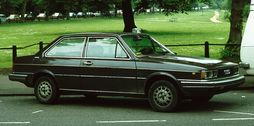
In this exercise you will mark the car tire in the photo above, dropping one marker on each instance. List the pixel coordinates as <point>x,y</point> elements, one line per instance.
<point>163,96</point>
<point>46,91</point>
<point>202,99</point>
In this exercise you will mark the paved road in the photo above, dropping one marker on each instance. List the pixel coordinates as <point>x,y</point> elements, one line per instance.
<point>8,87</point>
<point>229,109</point>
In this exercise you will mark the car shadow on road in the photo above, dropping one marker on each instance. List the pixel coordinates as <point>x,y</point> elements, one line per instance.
<point>107,102</point>
<point>189,106</point>
<point>143,104</point>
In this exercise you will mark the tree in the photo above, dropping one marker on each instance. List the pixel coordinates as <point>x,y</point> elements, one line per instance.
<point>236,27</point>
<point>128,16</point>
<point>168,6</point>
<point>10,6</point>
<point>23,11</point>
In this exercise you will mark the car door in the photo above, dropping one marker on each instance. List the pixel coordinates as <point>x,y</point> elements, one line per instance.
<point>107,67</point>
<point>63,59</point>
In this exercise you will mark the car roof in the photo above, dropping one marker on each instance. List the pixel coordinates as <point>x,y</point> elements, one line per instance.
<point>100,34</point>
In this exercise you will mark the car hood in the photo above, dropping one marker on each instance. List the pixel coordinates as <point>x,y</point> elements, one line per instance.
<point>194,61</point>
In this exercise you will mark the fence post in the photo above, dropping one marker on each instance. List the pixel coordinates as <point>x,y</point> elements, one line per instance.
<point>14,52</point>
<point>207,49</point>
<point>40,45</point>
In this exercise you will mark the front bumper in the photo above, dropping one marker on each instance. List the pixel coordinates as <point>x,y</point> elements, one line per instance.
<point>211,87</point>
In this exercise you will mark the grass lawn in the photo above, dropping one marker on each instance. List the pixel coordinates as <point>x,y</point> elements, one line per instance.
<point>194,27</point>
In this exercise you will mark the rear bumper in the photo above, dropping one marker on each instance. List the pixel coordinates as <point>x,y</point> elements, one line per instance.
<point>18,77</point>
<point>211,87</point>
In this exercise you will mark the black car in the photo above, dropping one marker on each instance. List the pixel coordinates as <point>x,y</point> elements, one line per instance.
<point>122,64</point>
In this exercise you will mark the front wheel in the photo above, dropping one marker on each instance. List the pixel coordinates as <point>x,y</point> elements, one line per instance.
<point>163,96</point>
<point>46,91</point>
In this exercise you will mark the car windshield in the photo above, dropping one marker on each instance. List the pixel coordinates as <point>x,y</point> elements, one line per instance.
<point>145,45</point>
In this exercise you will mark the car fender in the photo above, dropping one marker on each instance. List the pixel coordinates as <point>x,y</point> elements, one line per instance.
<point>162,75</point>
<point>40,73</point>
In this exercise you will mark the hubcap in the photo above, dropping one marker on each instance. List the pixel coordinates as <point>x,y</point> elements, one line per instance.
<point>45,89</point>
<point>162,96</point>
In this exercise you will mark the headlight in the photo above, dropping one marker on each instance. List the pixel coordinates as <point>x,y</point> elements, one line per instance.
<point>210,74</point>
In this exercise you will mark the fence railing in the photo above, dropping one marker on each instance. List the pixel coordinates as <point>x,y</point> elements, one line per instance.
<point>14,48</point>
<point>206,46</point>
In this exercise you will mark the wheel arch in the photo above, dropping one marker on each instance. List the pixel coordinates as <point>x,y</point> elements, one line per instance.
<point>161,76</point>
<point>41,73</point>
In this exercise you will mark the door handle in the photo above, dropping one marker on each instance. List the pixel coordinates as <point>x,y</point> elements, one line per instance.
<point>88,63</point>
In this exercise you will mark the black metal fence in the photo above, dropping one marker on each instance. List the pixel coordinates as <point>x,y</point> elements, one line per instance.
<point>14,48</point>
<point>206,46</point>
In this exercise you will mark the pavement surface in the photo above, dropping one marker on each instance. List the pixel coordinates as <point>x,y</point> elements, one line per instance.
<point>234,108</point>
<point>11,88</point>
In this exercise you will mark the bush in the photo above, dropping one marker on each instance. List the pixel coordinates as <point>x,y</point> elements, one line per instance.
<point>228,55</point>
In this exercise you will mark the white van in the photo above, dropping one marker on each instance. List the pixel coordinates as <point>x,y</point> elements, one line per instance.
<point>247,46</point>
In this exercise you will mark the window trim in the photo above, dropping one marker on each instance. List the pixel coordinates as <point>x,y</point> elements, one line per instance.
<point>60,40</point>
<point>134,54</point>
<point>101,58</point>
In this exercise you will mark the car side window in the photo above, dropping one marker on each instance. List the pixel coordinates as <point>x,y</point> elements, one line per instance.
<point>107,47</point>
<point>120,52</point>
<point>68,47</point>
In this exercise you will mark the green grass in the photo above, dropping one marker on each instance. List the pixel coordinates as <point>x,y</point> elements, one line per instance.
<point>194,27</point>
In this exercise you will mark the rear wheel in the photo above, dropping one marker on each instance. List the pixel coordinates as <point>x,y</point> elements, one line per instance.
<point>163,96</point>
<point>45,90</point>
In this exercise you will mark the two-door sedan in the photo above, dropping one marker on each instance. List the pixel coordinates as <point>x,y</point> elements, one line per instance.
<point>127,64</point>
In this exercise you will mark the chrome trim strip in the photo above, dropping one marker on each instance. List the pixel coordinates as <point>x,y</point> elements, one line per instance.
<point>22,73</point>
<point>97,91</point>
<point>18,75</point>
<point>203,87</point>
<point>60,65</point>
<point>47,65</point>
<point>141,78</point>
<point>167,70</point>
<point>89,76</point>
<point>217,79</point>
<point>111,67</point>
<point>67,75</point>
<point>95,76</point>
<point>108,77</point>
<point>213,82</point>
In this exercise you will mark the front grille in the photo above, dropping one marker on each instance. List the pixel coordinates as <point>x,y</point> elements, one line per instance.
<point>226,72</point>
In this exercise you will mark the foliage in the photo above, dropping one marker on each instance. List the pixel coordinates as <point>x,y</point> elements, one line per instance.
<point>226,54</point>
<point>194,28</point>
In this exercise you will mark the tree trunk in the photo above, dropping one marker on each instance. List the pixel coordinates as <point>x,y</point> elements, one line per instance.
<point>115,10</point>
<point>236,27</point>
<point>128,16</point>
<point>23,10</point>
